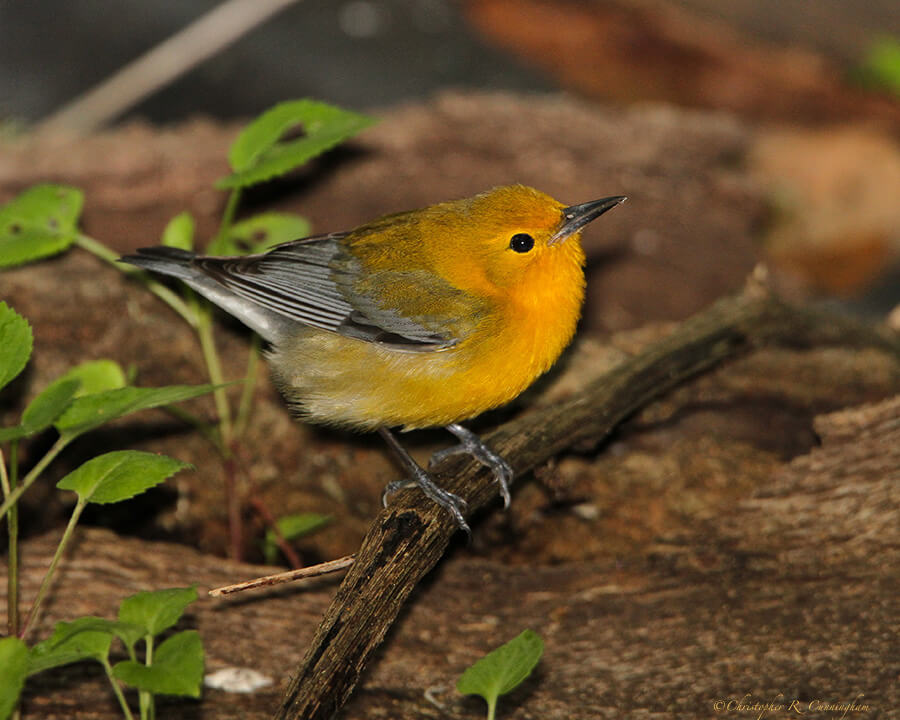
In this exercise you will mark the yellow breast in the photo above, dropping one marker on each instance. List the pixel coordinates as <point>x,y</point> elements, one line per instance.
<point>348,382</point>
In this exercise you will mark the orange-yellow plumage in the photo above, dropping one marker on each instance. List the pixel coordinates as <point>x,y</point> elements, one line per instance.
<point>417,319</point>
<point>515,312</point>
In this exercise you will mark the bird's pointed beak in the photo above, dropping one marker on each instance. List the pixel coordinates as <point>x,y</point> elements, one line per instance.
<point>576,217</point>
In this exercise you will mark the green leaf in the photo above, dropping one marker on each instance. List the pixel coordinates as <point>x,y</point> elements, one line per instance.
<point>13,669</point>
<point>91,411</point>
<point>88,378</point>
<point>179,233</point>
<point>503,669</point>
<point>15,343</point>
<point>881,66</point>
<point>40,222</point>
<point>119,475</point>
<point>64,632</point>
<point>96,376</point>
<point>292,527</point>
<point>43,410</point>
<point>87,638</point>
<point>259,233</point>
<point>50,404</point>
<point>156,610</point>
<point>260,153</point>
<point>177,667</point>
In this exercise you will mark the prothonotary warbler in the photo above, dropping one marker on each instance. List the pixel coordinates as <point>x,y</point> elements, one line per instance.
<point>417,319</point>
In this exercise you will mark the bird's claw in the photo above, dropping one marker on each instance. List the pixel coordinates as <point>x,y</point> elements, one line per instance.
<point>471,444</point>
<point>449,501</point>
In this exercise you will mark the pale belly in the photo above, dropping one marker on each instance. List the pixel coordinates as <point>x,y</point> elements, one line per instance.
<point>342,381</point>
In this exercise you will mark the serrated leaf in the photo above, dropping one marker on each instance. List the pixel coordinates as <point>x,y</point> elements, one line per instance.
<point>259,153</point>
<point>64,632</point>
<point>43,410</point>
<point>177,667</point>
<point>15,343</point>
<point>502,670</point>
<point>89,378</point>
<point>40,222</point>
<point>119,475</point>
<point>156,610</point>
<point>292,527</point>
<point>128,633</point>
<point>50,404</point>
<point>179,233</point>
<point>96,376</point>
<point>259,233</point>
<point>87,638</point>
<point>91,411</point>
<point>13,669</point>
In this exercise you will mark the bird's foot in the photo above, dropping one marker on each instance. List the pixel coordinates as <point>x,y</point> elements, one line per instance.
<point>420,478</point>
<point>471,444</point>
<point>451,502</point>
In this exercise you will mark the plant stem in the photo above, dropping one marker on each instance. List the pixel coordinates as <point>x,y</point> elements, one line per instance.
<point>148,658</point>
<point>492,708</point>
<point>16,492</point>
<point>12,580</point>
<point>57,556</point>
<point>169,297</point>
<point>243,415</point>
<point>144,702</point>
<point>234,505</point>
<point>202,427</point>
<point>148,708</point>
<point>214,367</point>
<point>207,341</point>
<point>117,689</point>
<point>231,207</point>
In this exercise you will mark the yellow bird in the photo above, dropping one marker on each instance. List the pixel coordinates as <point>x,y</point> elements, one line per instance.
<point>418,319</point>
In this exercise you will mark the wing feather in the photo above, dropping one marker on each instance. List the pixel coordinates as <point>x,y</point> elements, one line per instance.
<point>315,282</point>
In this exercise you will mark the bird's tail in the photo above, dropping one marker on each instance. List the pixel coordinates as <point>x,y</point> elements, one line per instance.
<point>181,264</point>
<point>164,260</point>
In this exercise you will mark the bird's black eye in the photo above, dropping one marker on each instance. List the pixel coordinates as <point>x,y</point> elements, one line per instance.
<point>521,242</point>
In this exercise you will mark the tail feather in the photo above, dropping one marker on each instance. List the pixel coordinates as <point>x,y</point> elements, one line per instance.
<point>180,264</point>
<point>164,260</point>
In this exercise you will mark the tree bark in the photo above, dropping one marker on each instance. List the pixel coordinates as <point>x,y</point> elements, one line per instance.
<point>408,538</point>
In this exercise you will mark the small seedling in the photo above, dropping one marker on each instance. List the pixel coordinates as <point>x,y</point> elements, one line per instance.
<point>291,527</point>
<point>82,400</point>
<point>43,221</point>
<point>175,667</point>
<point>502,670</point>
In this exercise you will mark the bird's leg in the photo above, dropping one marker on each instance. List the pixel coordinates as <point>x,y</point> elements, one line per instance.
<point>471,444</point>
<point>453,504</point>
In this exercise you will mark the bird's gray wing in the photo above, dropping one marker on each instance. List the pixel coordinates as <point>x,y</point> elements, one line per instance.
<point>315,282</point>
<point>291,280</point>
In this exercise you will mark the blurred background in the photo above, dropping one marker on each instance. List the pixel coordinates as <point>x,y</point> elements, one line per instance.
<point>368,53</point>
<point>829,70</point>
<point>359,53</point>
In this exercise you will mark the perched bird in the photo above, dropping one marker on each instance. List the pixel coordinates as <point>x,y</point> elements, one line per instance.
<point>417,319</point>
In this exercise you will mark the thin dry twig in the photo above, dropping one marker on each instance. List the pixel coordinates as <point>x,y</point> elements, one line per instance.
<point>285,577</point>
